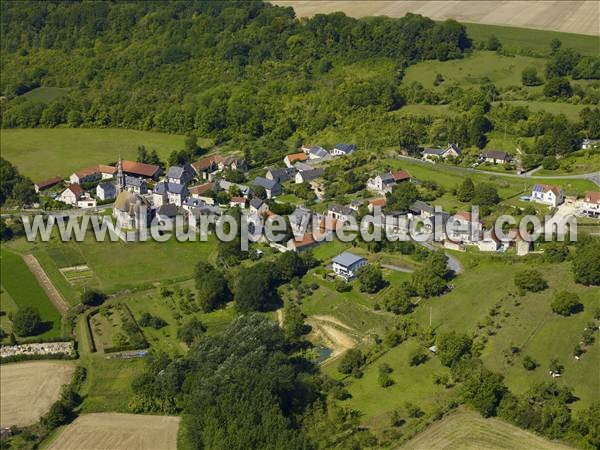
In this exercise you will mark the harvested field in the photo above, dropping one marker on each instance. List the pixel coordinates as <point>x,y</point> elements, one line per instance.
<point>569,16</point>
<point>468,430</point>
<point>29,389</point>
<point>113,431</point>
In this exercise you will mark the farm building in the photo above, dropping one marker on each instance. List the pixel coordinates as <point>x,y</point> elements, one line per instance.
<point>47,184</point>
<point>141,170</point>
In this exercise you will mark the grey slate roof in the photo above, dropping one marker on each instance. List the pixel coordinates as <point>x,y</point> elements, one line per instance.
<point>319,152</point>
<point>167,210</point>
<point>298,215</point>
<point>308,175</point>
<point>175,172</point>
<point>194,202</point>
<point>419,206</point>
<point>160,188</point>
<point>347,259</point>
<point>256,203</point>
<point>134,181</point>
<point>345,148</point>
<point>433,151</point>
<point>264,182</point>
<point>282,174</point>
<point>341,209</point>
<point>107,187</point>
<point>175,188</point>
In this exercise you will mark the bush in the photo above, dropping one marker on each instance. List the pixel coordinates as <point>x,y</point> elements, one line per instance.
<point>413,410</point>
<point>530,280</point>
<point>452,346</point>
<point>352,360</point>
<point>529,363</point>
<point>148,320</point>
<point>342,285</point>
<point>550,163</point>
<point>417,356</point>
<point>566,303</point>
<point>370,279</point>
<point>27,321</point>
<point>190,330</point>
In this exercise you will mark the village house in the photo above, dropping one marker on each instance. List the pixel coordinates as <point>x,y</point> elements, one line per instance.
<point>547,195</point>
<point>343,149</point>
<point>137,185</point>
<point>106,191</point>
<point>71,194</point>
<point>377,202</point>
<point>433,154</point>
<point>299,245</point>
<point>383,183</point>
<point>300,220</point>
<point>422,209</point>
<point>464,228</point>
<point>495,157</point>
<point>258,207</point>
<point>396,222</point>
<point>141,170</point>
<point>166,212</point>
<point>356,204</point>
<point>315,152</point>
<point>47,184</point>
<point>165,192</point>
<point>489,242</point>
<point>272,187</point>
<point>294,158</point>
<point>303,167</point>
<point>205,168</point>
<point>87,175</point>
<point>306,176</point>
<point>590,144</point>
<point>280,175</point>
<point>228,186</point>
<point>237,201</point>
<point>203,192</point>
<point>107,171</point>
<point>340,212</point>
<point>346,264</point>
<point>237,164</point>
<point>590,205</point>
<point>180,174</point>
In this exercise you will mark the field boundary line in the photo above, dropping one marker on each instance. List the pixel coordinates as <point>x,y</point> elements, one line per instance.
<point>38,272</point>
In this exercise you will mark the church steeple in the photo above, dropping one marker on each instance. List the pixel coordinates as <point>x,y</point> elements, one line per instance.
<point>120,176</point>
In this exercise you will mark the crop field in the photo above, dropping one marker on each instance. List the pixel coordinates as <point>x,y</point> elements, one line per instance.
<point>24,290</point>
<point>29,389</point>
<point>43,153</point>
<point>113,431</point>
<point>566,16</point>
<point>469,431</point>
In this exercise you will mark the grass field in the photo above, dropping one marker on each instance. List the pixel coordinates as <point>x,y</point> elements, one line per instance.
<point>112,431</point>
<point>566,16</point>
<point>24,290</point>
<point>29,389</point>
<point>118,265</point>
<point>42,153</point>
<point>578,162</point>
<point>467,430</point>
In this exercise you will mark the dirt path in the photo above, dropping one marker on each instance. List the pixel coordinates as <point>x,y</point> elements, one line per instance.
<point>280,317</point>
<point>59,303</point>
<point>332,320</point>
<point>332,333</point>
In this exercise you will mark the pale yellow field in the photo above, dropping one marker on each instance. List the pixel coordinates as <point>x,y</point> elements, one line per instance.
<point>112,431</point>
<point>28,389</point>
<point>571,16</point>
<point>466,430</point>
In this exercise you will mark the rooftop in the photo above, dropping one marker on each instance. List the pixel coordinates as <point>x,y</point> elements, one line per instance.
<point>347,259</point>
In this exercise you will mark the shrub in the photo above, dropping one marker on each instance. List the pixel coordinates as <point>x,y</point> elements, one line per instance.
<point>148,320</point>
<point>27,321</point>
<point>352,360</point>
<point>529,363</point>
<point>92,297</point>
<point>530,280</point>
<point>342,285</point>
<point>417,356</point>
<point>566,303</point>
<point>370,279</point>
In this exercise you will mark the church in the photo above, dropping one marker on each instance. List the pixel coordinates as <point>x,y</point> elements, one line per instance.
<point>131,209</point>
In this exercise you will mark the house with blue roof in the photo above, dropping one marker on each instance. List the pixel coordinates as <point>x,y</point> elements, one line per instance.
<point>547,195</point>
<point>345,265</point>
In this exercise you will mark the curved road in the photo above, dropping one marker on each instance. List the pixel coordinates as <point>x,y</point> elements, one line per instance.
<point>592,176</point>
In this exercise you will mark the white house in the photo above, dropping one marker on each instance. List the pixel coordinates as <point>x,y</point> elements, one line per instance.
<point>315,152</point>
<point>137,185</point>
<point>590,205</point>
<point>346,264</point>
<point>180,174</point>
<point>340,212</point>
<point>383,183</point>
<point>547,195</point>
<point>495,157</point>
<point>258,207</point>
<point>86,175</point>
<point>433,154</point>
<point>106,191</point>
<point>590,144</point>
<point>343,149</point>
<point>294,158</point>
<point>308,175</point>
<point>464,228</point>
<point>86,201</point>
<point>71,194</point>
<point>203,192</point>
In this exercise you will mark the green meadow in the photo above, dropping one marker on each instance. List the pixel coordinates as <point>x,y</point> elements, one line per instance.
<point>22,289</point>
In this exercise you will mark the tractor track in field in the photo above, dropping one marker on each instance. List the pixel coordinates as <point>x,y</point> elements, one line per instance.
<point>57,300</point>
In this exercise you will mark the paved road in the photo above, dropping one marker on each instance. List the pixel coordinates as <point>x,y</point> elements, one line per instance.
<point>453,263</point>
<point>592,176</point>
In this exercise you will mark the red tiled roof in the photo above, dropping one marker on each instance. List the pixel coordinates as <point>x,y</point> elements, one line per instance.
<point>307,239</point>
<point>107,169</point>
<point>75,189</point>
<point>45,184</point>
<point>143,169</point>
<point>378,202</point>
<point>201,189</point>
<point>293,157</point>
<point>401,175</point>
<point>465,215</point>
<point>237,199</point>
<point>87,171</point>
<point>205,163</point>
<point>592,197</point>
